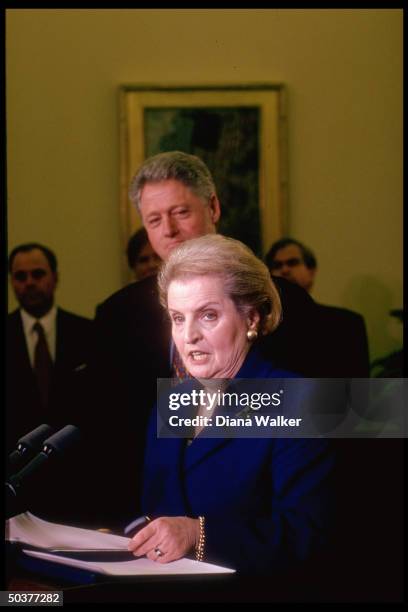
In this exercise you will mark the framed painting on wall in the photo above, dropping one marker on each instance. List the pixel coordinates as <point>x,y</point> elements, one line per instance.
<point>239,132</point>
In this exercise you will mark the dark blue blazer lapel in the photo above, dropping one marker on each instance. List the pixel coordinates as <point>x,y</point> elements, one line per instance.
<point>254,366</point>
<point>201,448</point>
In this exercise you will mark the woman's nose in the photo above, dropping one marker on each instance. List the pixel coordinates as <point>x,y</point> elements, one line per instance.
<point>191,332</point>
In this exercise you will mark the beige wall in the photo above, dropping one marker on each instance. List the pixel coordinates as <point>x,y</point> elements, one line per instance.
<point>343,70</point>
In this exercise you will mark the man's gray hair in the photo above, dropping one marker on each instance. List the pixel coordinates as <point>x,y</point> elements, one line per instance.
<point>245,278</point>
<point>188,169</point>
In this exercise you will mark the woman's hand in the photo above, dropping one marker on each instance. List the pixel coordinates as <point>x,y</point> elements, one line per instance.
<point>166,538</point>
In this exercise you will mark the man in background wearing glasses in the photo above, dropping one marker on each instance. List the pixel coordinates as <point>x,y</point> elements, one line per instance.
<point>336,327</point>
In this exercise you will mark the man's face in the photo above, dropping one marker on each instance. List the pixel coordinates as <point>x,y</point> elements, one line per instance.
<point>172,213</point>
<point>289,264</point>
<point>33,282</point>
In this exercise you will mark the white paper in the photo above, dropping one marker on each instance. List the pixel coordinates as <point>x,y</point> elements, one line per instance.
<point>30,529</point>
<point>138,567</point>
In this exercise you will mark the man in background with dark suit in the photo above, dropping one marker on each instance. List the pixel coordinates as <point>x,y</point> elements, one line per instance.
<point>47,352</point>
<point>337,327</point>
<point>369,471</point>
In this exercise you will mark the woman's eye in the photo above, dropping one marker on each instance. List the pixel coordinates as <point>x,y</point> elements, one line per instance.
<point>210,316</point>
<point>177,319</point>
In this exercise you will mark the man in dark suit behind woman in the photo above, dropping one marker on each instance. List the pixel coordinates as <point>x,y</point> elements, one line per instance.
<point>342,332</point>
<point>369,471</point>
<point>47,355</point>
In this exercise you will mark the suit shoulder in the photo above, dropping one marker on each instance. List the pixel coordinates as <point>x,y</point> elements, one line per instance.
<point>292,295</point>
<point>73,320</point>
<point>130,296</point>
<point>13,316</point>
<point>13,320</point>
<point>341,313</point>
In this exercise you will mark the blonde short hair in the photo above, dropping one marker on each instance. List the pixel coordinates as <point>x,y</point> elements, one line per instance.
<point>246,279</point>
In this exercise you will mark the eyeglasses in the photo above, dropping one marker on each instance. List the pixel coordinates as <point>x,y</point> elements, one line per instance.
<point>36,274</point>
<point>291,263</point>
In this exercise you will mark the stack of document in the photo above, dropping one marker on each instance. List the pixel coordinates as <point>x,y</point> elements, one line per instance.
<point>93,550</point>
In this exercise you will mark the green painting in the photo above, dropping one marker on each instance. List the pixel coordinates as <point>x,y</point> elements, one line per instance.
<point>227,139</point>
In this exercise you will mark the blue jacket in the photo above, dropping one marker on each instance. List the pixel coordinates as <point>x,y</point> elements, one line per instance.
<point>267,502</point>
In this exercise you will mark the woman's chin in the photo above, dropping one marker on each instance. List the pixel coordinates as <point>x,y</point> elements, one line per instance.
<point>200,372</point>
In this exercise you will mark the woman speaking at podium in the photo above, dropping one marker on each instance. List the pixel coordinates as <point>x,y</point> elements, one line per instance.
<point>253,504</point>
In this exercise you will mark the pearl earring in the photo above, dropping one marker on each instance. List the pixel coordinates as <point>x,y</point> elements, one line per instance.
<point>252,335</point>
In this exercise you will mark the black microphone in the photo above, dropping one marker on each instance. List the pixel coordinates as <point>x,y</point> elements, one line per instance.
<point>55,445</point>
<point>27,446</point>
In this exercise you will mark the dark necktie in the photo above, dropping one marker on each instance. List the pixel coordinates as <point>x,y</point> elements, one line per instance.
<point>42,364</point>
